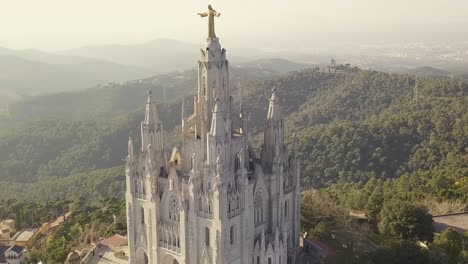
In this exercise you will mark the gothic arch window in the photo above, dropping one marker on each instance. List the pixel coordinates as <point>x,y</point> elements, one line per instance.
<point>269,260</point>
<point>207,236</point>
<point>286,209</point>
<point>173,205</point>
<point>258,259</point>
<point>200,205</point>
<point>204,82</point>
<point>142,215</point>
<point>258,205</point>
<point>231,235</point>
<point>236,163</point>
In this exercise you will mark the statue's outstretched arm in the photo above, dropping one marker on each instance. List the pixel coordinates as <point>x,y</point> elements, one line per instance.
<point>203,14</point>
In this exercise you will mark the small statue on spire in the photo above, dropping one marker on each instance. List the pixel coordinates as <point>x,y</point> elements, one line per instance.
<point>150,93</point>
<point>211,13</point>
<point>130,148</point>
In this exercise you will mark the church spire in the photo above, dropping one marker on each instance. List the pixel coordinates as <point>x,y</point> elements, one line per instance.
<point>130,149</point>
<point>151,128</point>
<point>273,137</point>
<point>217,141</point>
<point>274,111</point>
<point>218,126</point>
<point>151,113</point>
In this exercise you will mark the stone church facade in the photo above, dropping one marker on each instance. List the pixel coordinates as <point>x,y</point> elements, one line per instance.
<point>213,201</point>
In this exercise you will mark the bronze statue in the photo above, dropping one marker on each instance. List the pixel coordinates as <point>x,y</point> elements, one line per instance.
<point>211,13</point>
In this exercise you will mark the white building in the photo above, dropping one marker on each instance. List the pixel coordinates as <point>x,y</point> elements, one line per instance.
<point>12,255</point>
<point>213,201</point>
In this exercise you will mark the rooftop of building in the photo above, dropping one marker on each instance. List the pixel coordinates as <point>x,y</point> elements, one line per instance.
<point>328,251</point>
<point>15,248</point>
<point>60,219</point>
<point>46,227</point>
<point>105,254</point>
<point>3,249</point>
<point>24,235</point>
<point>115,241</point>
<point>457,221</point>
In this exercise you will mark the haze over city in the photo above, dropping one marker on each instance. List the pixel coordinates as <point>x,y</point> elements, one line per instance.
<point>57,25</point>
<point>234,132</point>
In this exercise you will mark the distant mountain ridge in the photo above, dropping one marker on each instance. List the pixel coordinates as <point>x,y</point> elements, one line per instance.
<point>34,72</point>
<point>113,98</point>
<point>22,76</point>
<point>427,70</point>
<point>160,55</point>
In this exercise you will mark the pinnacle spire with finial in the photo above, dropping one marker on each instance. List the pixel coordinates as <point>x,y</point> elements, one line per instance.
<point>274,108</point>
<point>217,123</point>
<point>151,113</point>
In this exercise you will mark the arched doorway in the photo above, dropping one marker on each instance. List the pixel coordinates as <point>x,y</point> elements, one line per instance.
<point>142,257</point>
<point>168,259</point>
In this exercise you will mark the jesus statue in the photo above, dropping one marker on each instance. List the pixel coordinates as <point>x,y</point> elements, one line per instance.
<point>211,13</point>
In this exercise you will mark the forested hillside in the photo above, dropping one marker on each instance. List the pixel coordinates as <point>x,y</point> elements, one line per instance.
<point>350,127</point>
<point>365,141</point>
<point>109,100</point>
<point>354,126</point>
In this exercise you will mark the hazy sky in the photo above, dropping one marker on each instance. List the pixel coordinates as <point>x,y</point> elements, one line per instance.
<point>62,24</point>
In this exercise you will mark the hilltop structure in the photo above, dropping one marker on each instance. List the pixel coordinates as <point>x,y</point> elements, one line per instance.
<point>213,201</point>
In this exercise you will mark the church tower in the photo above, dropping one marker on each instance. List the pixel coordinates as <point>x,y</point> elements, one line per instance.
<point>273,139</point>
<point>213,201</point>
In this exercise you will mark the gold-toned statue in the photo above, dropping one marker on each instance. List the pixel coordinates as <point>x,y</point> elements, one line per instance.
<point>211,13</point>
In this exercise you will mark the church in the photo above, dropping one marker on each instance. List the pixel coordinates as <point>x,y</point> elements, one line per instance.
<point>212,200</point>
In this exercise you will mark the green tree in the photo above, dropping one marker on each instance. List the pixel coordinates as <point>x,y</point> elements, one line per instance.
<point>374,204</point>
<point>401,252</point>
<point>404,220</point>
<point>453,243</point>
